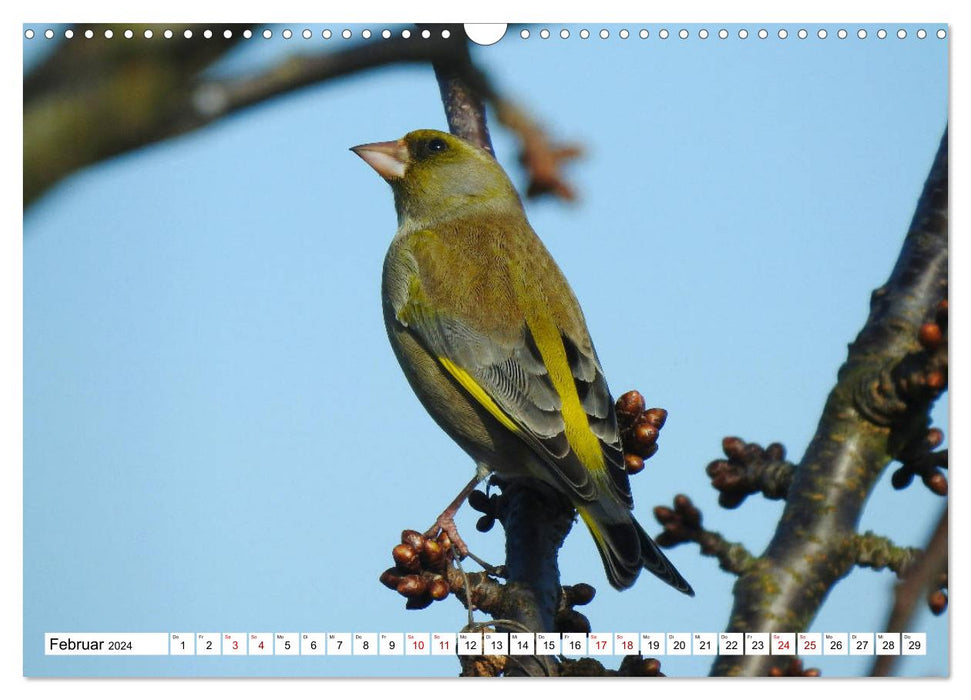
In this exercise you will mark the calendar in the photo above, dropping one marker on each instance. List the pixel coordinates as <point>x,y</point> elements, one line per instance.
<point>471,644</point>
<point>288,288</point>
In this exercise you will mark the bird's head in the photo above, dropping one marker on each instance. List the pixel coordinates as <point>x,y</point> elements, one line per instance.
<point>436,175</point>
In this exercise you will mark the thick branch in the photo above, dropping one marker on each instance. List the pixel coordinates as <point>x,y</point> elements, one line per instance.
<point>863,419</point>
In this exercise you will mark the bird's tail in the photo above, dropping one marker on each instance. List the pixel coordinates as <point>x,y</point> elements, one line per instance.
<point>626,549</point>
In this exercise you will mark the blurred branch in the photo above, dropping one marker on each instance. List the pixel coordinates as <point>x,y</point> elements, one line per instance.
<point>908,592</point>
<point>869,416</point>
<point>93,99</point>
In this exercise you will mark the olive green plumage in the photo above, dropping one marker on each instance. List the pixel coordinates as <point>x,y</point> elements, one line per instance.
<point>493,341</point>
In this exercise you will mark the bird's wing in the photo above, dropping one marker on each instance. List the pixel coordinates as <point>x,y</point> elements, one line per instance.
<point>540,384</point>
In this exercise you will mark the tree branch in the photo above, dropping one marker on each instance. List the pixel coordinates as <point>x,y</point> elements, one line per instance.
<point>865,418</point>
<point>907,593</point>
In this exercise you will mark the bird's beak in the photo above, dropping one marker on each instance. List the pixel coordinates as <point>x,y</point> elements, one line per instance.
<point>389,158</point>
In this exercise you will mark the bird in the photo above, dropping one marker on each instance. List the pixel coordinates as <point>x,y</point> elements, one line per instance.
<point>494,343</point>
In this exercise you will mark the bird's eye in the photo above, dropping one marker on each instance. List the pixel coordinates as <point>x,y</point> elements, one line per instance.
<point>437,145</point>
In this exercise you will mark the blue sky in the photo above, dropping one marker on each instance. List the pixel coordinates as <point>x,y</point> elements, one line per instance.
<point>217,436</point>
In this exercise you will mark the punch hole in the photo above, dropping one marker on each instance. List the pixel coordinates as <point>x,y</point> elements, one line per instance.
<point>306,34</point>
<point>624,33</point>
<point>89,34</point>
<point>109,33</point>
<point>326,34</point>
<point>29,34</point>
<point>544,34</point>
<point>286,33</point>
<point>821,34</point>
<point>386,34</point>
<point>644,34</point>
<point>921,34</point>
<point>763,34</point>
<point>426,34</point>
<point>49,34</point>
<point>901,33</point>
<point>208,34</point>
<point>783,34</point>
<point>485,34</point>
<point>743,33</point>
<point>564,33</point>
<point>683,34</point>
<point>366,34</point>
<point>842,34</point>
<point>584,33</point>
<point>68,33</point>
<point>722,33</point>
<point>882,34</point>
<point>524,34</point>
<point>267,33</point>
<point>941,34</point>
<point>229,35</point>
<point>663,33</point>
<point>802,33</point>
<point>703,34</point>
<point>861,33</point>
<point>129,33</point>
<point>248,34</point>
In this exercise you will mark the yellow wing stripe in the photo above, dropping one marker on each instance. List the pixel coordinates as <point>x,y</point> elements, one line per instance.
<point>582,439</point>
<point>593,526</point>
<point>478,393</point>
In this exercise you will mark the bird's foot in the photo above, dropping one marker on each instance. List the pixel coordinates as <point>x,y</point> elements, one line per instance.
<point>446,523</point>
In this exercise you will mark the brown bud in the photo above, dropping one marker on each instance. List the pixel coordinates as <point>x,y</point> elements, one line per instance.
<point>811,673</point>
<point>937,483</point>
<point>647,451</point>
<point>412,585</point>
<point>941,313</point>
<point>438,589</point>
<point>776,672</point>
<point>479,501</point>
<point>581,593</point>
<point>446,542</point>
<point>776,451</point>
<point>663,514</point>
<point>632,463</point>
<point>645,434</point>
<point>930,335</point>
<point>656,417</point>
<point>630,405</point>
<point>902,478</point>
<point>406,557</point>
<point>733,447</point>
<point>651,667</point>
<point>390,578</point>
<point>572,621</point>
<point>414,538</point>
<point>937,601</point>
<point>418,603</point>
<point>433,555</point>
<point>934,438</point>
<point>935,380</point>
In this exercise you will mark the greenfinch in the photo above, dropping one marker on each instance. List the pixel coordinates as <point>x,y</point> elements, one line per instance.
<point>493,341</point>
